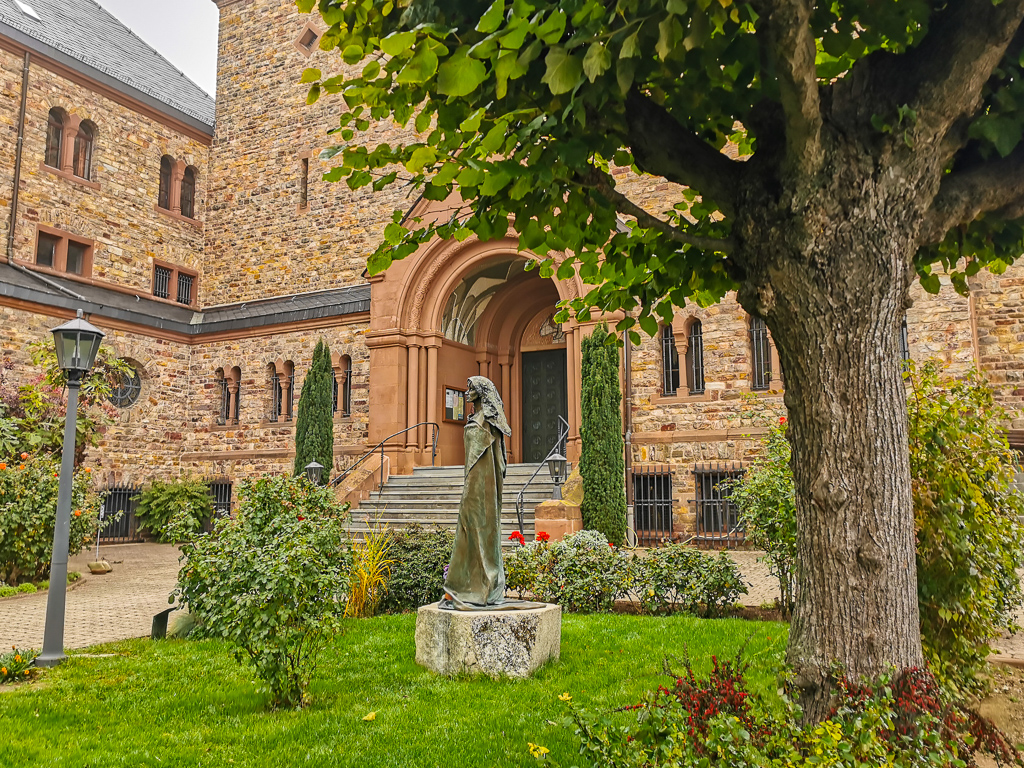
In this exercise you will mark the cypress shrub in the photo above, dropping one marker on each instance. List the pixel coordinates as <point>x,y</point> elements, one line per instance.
<point>314,425</point>
<point>602,465</point>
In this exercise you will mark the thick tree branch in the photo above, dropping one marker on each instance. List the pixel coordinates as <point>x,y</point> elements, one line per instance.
<point>942,77</point>
<point>793,50</point>
<point>994,186</point>
<point>663,147</point>
<point>603,184</point>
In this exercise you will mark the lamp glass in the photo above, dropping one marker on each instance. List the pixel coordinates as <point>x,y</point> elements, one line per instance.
<point>314,471</point>
<point>556,466</point>
<point>77,343</point>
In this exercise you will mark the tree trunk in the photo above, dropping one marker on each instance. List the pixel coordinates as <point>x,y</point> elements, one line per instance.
<point>833,292</point>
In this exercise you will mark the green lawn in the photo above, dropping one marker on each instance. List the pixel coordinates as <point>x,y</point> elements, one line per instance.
<point>180,703</point>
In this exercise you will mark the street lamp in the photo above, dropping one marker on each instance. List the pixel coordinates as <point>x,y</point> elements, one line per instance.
<point>556,466</point>
<point>314,472</point>
<point>77,343</point>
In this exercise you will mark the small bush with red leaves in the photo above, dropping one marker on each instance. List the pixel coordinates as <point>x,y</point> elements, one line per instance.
<point>714,721</point>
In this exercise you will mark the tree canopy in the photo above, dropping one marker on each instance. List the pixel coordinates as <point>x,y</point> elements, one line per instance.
<point>524,107</point>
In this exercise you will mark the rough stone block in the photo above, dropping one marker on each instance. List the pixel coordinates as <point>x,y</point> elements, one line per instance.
<point>558,518</point>
<point>495,643</point>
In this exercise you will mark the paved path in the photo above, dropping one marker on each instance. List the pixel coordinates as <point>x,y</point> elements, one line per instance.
<point>115,606</point>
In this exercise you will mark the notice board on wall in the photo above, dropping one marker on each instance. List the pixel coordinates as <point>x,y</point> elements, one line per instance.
<point>454,404</point>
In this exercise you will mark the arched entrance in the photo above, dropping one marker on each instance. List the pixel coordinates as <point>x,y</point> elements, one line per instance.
<point>455,310</point>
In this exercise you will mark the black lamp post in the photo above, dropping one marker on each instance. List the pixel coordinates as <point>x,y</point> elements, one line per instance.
<point>77,343</point>
<point>314,471</point>
<point>556,466</point>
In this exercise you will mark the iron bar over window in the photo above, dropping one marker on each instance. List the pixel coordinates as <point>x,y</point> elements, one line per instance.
<point>695,359</point>
<point>185,288</point>
<point>162,282</point>
<point>652,505</point>
<point>275,396</point>
<point>761,355</point>
<point>718,520</point>
<point>669,362</point>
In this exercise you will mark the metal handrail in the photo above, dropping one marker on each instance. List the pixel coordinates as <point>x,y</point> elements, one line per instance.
<point>560,446</point>
<point>433,454</point>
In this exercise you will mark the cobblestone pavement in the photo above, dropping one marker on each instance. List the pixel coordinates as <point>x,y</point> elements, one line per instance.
<point>115,606</point>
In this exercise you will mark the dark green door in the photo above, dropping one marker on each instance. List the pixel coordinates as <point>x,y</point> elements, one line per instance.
<point>544,399</point>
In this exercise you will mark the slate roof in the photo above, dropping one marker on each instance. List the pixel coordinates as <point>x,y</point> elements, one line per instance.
<point>145,311</point>
<point>84,36</point>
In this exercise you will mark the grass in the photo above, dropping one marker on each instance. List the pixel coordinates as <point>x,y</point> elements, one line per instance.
<point>182,703</point>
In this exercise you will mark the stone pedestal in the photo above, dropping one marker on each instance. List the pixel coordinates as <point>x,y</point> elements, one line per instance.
<point>495,643</point>
<point>557,518</point>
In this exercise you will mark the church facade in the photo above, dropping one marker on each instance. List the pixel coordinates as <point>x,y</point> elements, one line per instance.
<point>202,239</point>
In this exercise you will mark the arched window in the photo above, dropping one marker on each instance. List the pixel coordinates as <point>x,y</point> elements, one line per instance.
<point>166,168</point>
<point>695,359</point>
<point>760,355</point>
<point>275,393</point>
<point>188,192</point>
<point>230,384</point>
<point>343,386</point>
<point>669,362</point>
<point>82,162</point>
<point>54,137</point>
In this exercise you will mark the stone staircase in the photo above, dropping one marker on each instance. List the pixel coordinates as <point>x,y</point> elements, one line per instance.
<point>430,496</point>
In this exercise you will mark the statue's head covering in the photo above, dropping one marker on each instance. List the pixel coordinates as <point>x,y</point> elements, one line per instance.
<point>490,403</point>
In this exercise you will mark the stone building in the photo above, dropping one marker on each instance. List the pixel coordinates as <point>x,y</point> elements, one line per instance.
<point>203,240</point>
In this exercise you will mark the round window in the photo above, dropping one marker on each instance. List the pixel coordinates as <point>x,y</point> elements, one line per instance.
<point>126,388</point>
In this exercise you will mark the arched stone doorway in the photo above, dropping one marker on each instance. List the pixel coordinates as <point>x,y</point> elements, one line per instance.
<point>455,310</point>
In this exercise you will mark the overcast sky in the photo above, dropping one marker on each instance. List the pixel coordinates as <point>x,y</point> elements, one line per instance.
<point>184,32</point>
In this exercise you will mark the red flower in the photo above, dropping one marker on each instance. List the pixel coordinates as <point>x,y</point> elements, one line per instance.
<point>543,536</point>
<point>611,545</point>
<point>300,518</point>
<point>517,536</point>
<point>782,419</point>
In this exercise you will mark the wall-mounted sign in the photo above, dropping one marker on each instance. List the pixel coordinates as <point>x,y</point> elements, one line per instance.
<point>454,404</point>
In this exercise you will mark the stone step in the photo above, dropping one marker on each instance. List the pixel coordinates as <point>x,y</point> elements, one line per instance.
<point>450,515</point>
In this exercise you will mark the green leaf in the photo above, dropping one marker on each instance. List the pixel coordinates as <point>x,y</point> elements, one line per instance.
<point>630,46</point>
<point>313,95</point>
<point>597,61</point>
<point>563,70</point>
<point>677,7</point>
<point>670,32</point>
<point>553,28</point>
<point>625,72</point>
<point>397,43</point>
<point>311,75</point>
<point>420,158</point>
<point>460,75</point>
<point>352,53</point>
<point>472,123</point>
<point>421,66</point>
<point>492,18</point>
<point>931,283</point>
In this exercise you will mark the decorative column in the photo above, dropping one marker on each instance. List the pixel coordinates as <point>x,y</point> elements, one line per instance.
<point>67,144</point>
<point>286,395</point>
<point>233,385</point>
<point>412,438</point>
<point>432,391</point>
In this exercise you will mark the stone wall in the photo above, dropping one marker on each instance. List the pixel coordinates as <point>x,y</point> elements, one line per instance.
<point>117,210</point>
<point>260,241</point>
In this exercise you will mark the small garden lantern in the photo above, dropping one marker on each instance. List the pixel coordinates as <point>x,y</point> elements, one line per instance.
<point>77,343</point>
<point>314,471</point>
<point>556,466</point>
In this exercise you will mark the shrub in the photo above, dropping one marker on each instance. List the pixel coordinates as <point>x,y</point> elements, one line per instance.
<point>583,572</point>
<point>602,466</point>
<point>16,665</point>
<point>314,425</point>
<point>163,500</point>
<point>679,578</point>
<point>767,503</point>
<point>28,500</point>
<point>966,507</point>
<point>715,721</point>
<point>272,580</point>
<point>417,573</point>
<point>371,569</point>
<point>7,591</point>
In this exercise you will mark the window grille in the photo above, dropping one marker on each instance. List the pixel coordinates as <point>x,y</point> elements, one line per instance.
<point>718,522</point>
<point>126,389</point>
<point>220,495</point>
<point>54,138</point>
<point>117,514</point>
<point>290,405</point>
<point>185,283</point>
<point>82,160</point>
<point>334,380</point>
<point>225,402</point>
<point>761,355</point>
<point>275,396</point>
<point>669,362</point>
<point>188,194</point>
<point>162,282</point>
<point>652,505</point>
<point>304,182</point>
<point>904,343</point>
<point>164,195</point>
<point>695,359</point>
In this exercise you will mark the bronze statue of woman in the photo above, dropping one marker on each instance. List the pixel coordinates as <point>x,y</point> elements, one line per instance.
<point>476,574</point>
